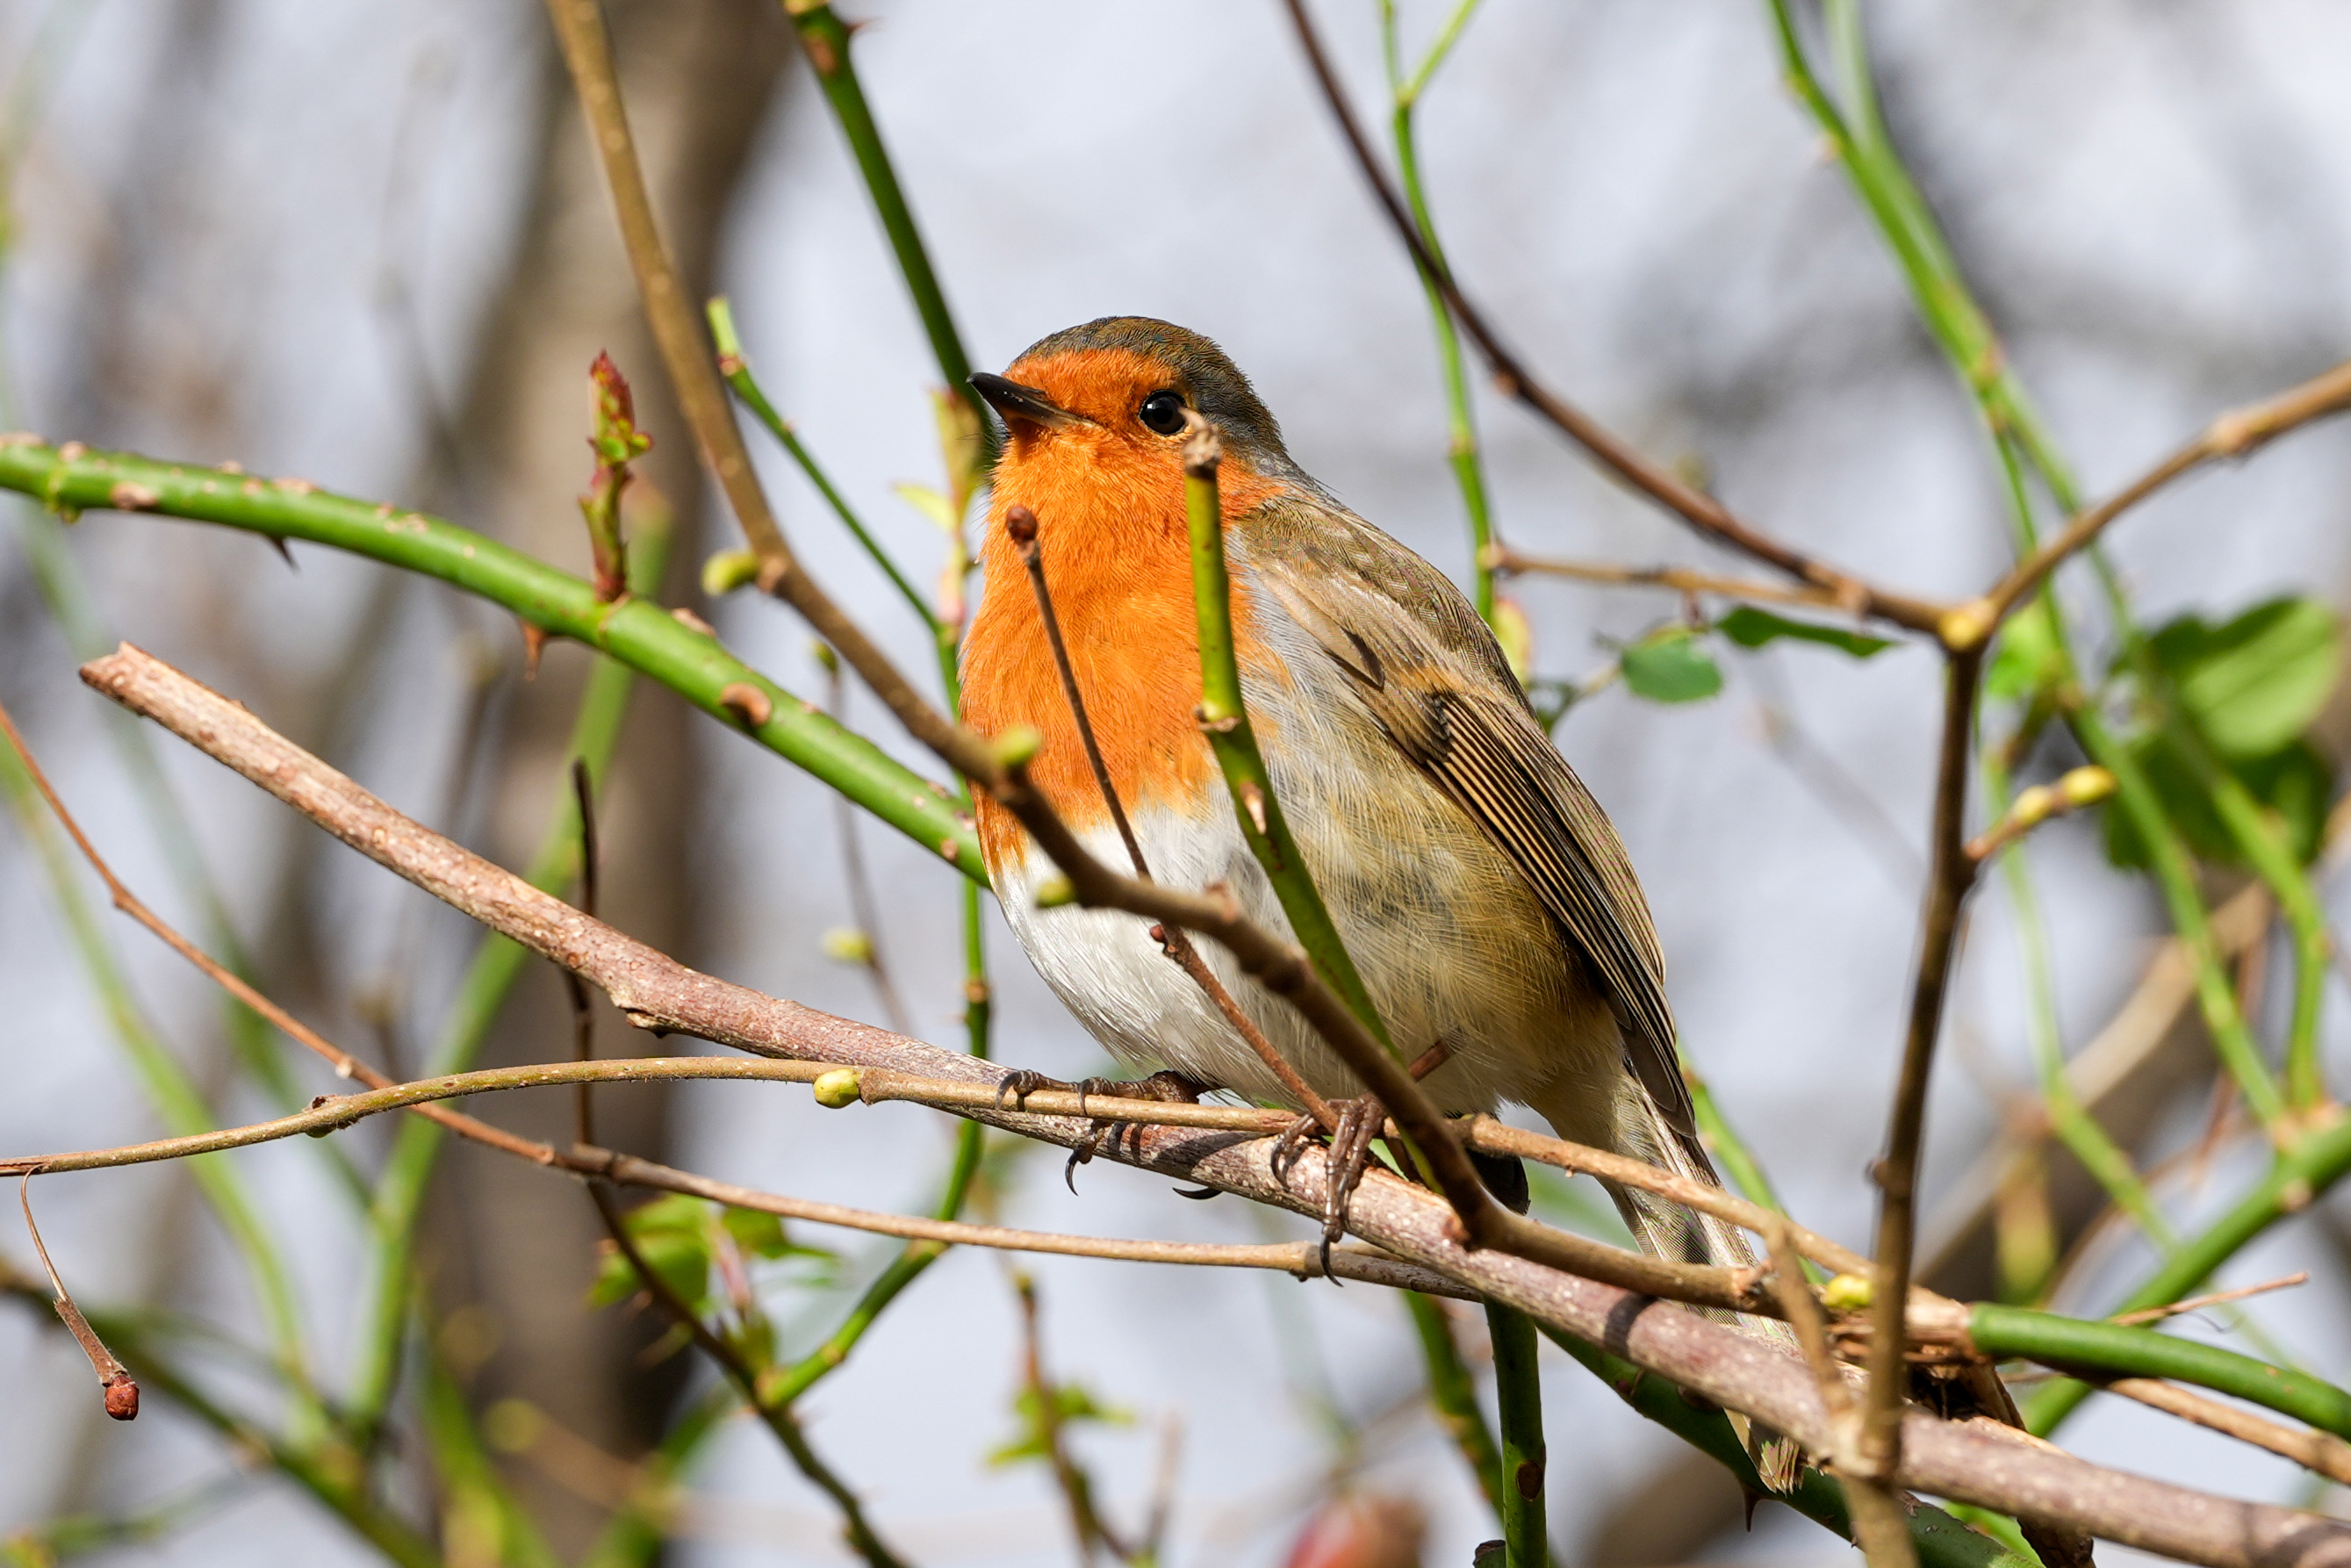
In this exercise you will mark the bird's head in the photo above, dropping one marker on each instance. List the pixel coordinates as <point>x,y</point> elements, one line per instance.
<point>1108,400</point>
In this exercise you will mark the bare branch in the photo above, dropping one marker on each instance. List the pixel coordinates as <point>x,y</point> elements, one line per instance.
<point>1694,507</point>
<point>120,1388</point>
<point>2233,434</point>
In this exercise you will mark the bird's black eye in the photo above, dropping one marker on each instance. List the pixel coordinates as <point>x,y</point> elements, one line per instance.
<point>1162,412</point>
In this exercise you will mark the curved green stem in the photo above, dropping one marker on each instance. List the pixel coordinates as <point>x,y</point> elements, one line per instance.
<point>1225,719</point>
<point>1469,465</point>
<point>825,40</point>
<point>636,632</point>
<point>2119,1350</point>
<point>2315,1163</point>
<point>1941,1540</point>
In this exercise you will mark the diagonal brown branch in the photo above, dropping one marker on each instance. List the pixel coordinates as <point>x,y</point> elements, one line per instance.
<point>1694,507</point>
<point>2233,434</point>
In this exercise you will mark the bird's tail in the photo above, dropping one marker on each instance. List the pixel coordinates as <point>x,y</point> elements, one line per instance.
<point>1667,1230</point>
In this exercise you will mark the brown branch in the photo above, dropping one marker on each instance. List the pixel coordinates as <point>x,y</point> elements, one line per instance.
<point>1879,1525</point>
<point>1679,579</point>
<point>2233,434</point>
<point>1879,1451</point>
<point>2197,1304</point>
<point>119,1389</point>
<point>1020,527</point>
<point>1708,1359</point>
<point>1695,507</point>
<point>656,992</point>
<point>2323,1452</point>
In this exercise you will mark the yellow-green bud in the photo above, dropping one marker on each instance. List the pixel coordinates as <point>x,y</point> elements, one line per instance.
<point>728,570</point>
<point>826,659</point>
<point>1055,892</point>
<point>2086,785</point>
<point>837,1088</point>
<point>847,944</point>
<point>2034,806</point>
<point>1017,747</point>
<point>1845,1293</point>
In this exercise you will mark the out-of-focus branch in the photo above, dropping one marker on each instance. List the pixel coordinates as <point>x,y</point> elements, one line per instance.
<point>2322,1452</point>
<point>1694,507</point>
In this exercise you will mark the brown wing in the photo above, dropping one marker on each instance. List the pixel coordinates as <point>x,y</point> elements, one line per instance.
<point>1430,674</point>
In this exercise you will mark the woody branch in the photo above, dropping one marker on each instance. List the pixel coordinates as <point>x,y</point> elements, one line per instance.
<point>656,992</point>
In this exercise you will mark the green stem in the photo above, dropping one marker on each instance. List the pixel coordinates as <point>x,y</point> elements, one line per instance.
<point>825,40</point>
<point>636,632</point>
<point>1224,717</point>
<point>1469,465</point>
<point>2315,1163</point>
<point>1455,1396</point>
<point>1518,1395</point>
<point>737,369</point>
<point>498,962</point>
<point>2074,1126</point>
<point>2175,875</point>
<point>1941,1541</point>
<point>481,1520</point>
<point>1954,319</point>
<point>2120,1350</point>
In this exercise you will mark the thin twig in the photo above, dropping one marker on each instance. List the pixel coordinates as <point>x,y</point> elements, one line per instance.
<point>2233,434</point>
<point>1674,579</point>
<point>1878,1527</point>
<point>1020,526</point>
<point>779,1420</point>
<point>583,1019</point>
<point>114,1380</point>
<point>1700,510</point>
<point>2324,1452</point>
<point>2196,1303</point>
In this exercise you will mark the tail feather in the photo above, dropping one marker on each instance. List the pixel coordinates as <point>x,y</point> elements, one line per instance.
<point>1666,1229</point>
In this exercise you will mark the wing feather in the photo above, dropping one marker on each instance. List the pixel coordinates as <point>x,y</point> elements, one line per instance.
<point>1431,675</point>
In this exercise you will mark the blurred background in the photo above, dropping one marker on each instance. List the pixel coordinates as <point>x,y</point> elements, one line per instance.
<point>366,244</point>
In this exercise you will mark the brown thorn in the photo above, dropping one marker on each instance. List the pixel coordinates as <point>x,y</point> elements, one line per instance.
<point>534,642</point>
<point>120,1388</point>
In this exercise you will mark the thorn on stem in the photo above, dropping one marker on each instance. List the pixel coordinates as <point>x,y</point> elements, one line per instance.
<point>534,642</point>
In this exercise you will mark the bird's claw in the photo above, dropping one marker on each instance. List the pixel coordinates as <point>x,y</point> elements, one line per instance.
<point>1167,1087</point>
<point>1360,1121</point>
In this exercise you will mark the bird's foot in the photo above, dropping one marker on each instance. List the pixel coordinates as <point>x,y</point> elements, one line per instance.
<point>1167,1087</point>
<point>1360,1121</point>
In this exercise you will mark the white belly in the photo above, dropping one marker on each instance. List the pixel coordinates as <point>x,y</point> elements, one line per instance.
<point>1451,943</point>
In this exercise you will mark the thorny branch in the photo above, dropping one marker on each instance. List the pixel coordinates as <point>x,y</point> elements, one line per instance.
<point>2009,1474</point>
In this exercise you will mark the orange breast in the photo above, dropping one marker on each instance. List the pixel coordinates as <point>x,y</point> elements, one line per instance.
<point>1118,560</point>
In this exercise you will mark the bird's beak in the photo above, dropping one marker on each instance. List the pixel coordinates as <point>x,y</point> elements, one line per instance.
<point>1014,401</point>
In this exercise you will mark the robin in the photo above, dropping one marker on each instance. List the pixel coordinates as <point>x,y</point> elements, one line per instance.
<point>1478,886</point>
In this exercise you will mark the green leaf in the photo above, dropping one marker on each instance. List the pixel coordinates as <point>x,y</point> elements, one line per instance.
<point>2254,685</point>
<point>2294,782</point>
<point>1751,628</point>
<point>930,503</point>
<point>682,1259</point>
<point>2028,660</point>
<point>762,1235</point>
<point>1669,666</point>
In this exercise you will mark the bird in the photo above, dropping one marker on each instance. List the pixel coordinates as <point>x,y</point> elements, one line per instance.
<point>1479,888</point>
